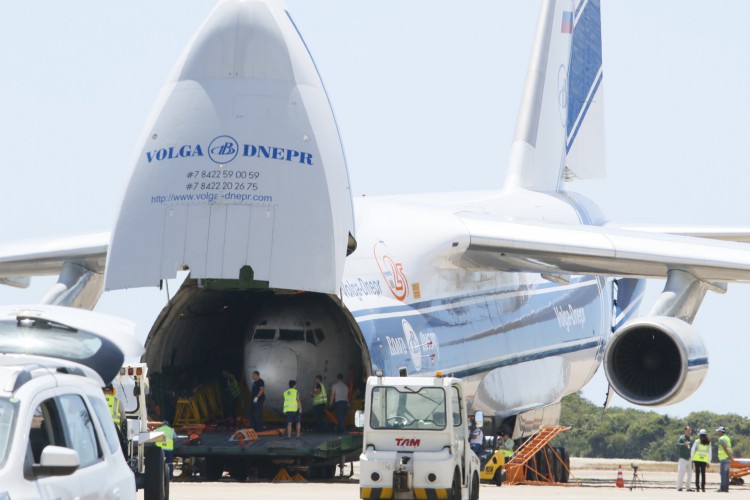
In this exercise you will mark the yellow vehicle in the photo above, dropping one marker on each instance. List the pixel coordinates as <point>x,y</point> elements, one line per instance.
<point>492,464</point>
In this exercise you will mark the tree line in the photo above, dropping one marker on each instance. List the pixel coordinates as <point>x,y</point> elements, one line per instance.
<point>637,434</point>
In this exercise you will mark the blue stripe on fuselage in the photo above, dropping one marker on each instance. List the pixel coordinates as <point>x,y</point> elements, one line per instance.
<point>476,333</point>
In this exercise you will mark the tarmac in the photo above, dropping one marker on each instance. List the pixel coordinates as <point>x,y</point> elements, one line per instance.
<point>590,478</point>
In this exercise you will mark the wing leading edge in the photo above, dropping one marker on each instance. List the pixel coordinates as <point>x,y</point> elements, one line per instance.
<point>46,257</point>
<point>600,250</point>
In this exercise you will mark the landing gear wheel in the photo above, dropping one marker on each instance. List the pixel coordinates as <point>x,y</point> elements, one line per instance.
<point>565,475</point>
<point>157,487</point>
<point>214,469</point>
<point>558,464</point>
<point>474,493</point>
<point>239,471</point>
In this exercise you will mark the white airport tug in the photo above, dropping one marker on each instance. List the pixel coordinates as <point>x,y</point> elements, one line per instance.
<point>416,440</point>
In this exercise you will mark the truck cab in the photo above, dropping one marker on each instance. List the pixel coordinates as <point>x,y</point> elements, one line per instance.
<point>416,440</point>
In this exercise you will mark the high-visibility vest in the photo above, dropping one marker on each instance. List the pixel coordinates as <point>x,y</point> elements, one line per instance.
<point>234,387</point>
<point>321,398</point>
<point>728,443</point>
<point>169,433</point>
<point>701,452</point>
<point>290,401</point>
<point>507,448</point>
<point>114,408</point>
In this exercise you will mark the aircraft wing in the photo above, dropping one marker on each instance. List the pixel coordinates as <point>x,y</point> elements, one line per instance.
<point>46,257</point>
<point>726,233</point>
<point>600,250</point>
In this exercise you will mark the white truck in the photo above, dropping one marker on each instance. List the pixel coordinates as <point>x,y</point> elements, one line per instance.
<point>416,440</point>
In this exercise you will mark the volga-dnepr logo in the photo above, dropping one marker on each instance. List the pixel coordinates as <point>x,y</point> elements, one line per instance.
<point>224,149</point>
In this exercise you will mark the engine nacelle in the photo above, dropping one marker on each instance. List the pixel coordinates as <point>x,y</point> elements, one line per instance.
<point>655,361</point>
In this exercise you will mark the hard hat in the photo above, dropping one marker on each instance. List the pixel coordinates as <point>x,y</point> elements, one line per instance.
<point>721,429</point>
<point>702,432</point>
<point>165,422</point>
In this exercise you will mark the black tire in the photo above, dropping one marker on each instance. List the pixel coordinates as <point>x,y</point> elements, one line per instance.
<point>565,475</point>
<point>214,469</point>
<point>156,486</point>
<point>552,464</point>
<point>455,492</point>
<point>558,466</point>
<point>239,470</point>
<point>531,468</point>
<point>267,471</point>
<point>542,465</point>
<point>498,477</point>
<point>474,493</point>
<point>166,481</point>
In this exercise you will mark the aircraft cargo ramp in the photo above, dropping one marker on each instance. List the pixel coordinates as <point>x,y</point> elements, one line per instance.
<point>314,456</point>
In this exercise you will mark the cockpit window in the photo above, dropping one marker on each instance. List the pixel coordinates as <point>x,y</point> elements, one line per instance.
<point>310,337</point>
<point>291,335</point>
<point>264,334</point>
<point>319,335</point>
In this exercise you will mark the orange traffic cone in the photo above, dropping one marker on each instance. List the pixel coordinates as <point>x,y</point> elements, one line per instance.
<point>620,483</point>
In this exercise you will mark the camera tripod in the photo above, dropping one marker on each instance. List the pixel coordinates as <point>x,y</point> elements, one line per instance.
<point>636,480</point>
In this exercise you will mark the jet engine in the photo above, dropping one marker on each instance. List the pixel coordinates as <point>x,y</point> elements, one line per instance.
<point>655,361</point>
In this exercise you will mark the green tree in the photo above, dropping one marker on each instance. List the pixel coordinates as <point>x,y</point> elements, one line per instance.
<point>636,434</point>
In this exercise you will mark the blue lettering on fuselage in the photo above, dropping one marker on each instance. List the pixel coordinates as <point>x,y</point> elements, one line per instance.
<point>361,288</point>
<point>224,149</point>
<point>275,153</point>
<point>172,152</point>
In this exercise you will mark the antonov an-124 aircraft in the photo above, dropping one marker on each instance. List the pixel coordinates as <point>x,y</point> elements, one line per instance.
<point>240,178</point>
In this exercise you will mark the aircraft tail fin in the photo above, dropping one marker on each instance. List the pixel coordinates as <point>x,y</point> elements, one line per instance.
<point>560,128</point>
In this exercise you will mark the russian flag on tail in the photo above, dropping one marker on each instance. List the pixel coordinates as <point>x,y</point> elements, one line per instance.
<point>567,22</point>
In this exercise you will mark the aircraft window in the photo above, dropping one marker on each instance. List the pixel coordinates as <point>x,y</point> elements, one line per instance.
<point>319,335</point>
<point>310,337</point>
<point>291,335</point>
<point>264,334</point>
<point>81,432</point>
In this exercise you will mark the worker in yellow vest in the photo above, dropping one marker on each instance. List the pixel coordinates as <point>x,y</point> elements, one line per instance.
<point>292,408</point>
<point>167,445</point>
<point>505,444</point>
<point>320,398</point>
<point>115,405</point>
<point>725,457</point>
<point>231,394</point>
<point>700,454</point>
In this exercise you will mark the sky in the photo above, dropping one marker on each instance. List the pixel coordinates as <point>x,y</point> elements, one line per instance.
<point>425,93</point>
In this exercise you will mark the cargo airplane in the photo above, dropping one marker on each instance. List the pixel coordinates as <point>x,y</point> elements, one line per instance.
<point>240,179</point>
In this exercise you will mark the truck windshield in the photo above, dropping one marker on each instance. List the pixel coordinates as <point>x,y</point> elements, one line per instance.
<point>7,416</point>
<point>405,408</point>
